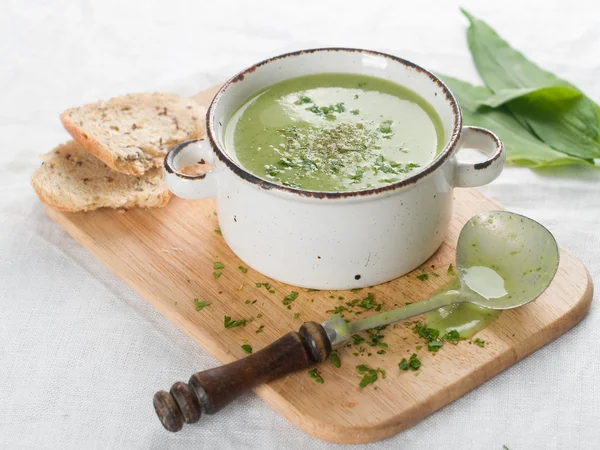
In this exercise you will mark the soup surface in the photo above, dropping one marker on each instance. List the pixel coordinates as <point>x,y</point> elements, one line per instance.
<point>334,132</point>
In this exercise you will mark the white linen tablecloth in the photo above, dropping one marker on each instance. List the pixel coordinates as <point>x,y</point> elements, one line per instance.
<point>81,354</point>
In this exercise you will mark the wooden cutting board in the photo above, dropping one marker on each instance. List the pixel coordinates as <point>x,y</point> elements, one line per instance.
<point>167,256</point>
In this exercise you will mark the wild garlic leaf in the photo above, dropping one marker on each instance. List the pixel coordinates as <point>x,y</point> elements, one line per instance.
<point>503,96</point>
<point>522,148</point>
<point>570,125</point>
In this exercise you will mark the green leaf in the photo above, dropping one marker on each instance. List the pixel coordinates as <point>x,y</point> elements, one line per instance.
<point>247,348</point>
<point>503,96</point>
<point>569,125</point>
<point>368,379</point>
<point>403,365</point>
<point>200,305</point>
<point>228,323</point>
<point>316,375</point>
<point>335,359</point>
<point>522,148</point>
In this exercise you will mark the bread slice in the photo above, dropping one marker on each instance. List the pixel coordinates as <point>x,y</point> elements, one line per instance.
<point>71,179</point>
<point>132,133</point>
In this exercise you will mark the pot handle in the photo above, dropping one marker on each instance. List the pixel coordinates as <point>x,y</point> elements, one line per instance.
<point>470,174</point>
<point>191,187</point>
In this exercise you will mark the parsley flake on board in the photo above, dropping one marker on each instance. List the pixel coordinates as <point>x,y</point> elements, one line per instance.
<point>376,337</point>
<point>316,375</point>
<point>247,348</point>
<point>288,299</point>
<point>242,269</point>
<point>218,265</point>
<point>234,323</point>
<point>357,339</point>
<point>413,363</point>
<point>200,305</point>
<point>479,342</point>
<point>335,359</point>
<point>423,277</point>
<point>369,375</point>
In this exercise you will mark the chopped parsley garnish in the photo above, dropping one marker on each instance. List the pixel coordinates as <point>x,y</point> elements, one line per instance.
<point>316,375</point>
<point>381,164</point>
<point>368,303</point>
<point>234,323</point>
<point>250,302</point>
<point>451,336</point>
<point>258,316</point>
<point>242,269</point>
<point>218,265</point>
<point>337,310</point>
<point>327,111</point>
<point>376,337</point>
<point>451,270</point>
<point>288,299</point>
<point>302,100</point>
<point>335,359</point>
<point>356,112</point>
<point>430,335</point>
<point>434,346</point>
<point>260,329</point>
<point>386,127</point>
<point>357,339</point>
<point>413,363</point>
<point>355,290</point>
<point>247,348</point>
<point>258,285</point>
<point>218,231</point>
<point>423,277</point>
<point>296,315</point>
<point>216,274</point>
<point>479,342</point>
<point>368,375</point>
<point>200,305</point>
<point>312,290</point>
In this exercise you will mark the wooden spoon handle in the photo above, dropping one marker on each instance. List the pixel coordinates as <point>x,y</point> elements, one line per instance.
<point>212,389</point>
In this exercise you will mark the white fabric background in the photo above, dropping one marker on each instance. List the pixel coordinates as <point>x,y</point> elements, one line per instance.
<point>81,355</point>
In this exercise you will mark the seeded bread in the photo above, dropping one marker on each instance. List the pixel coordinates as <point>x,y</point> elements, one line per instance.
<point>132,133</point>
<point>71,179</point>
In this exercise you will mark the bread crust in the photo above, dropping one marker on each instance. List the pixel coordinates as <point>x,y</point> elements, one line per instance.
<point>182,119</point>
<point>62,182</point>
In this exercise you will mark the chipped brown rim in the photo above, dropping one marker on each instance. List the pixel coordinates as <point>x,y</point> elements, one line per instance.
<point>268,185</point>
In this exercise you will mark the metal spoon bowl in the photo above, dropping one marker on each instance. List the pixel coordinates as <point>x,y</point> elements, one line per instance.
<point>503,260</point>
<point>520,250</point>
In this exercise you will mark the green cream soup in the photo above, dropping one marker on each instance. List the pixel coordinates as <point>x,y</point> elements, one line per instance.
<point>334,132</point>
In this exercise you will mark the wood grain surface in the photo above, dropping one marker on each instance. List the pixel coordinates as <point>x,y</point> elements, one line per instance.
<point>167,256</point>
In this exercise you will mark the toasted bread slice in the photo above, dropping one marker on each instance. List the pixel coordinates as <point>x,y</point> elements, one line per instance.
<point>132,133</point>
<point>71,179</point>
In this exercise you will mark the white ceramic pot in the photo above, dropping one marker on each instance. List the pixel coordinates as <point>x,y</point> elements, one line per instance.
<point>327,240</point>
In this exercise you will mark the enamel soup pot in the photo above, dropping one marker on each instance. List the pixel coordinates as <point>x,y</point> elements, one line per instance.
<point>333,240</point>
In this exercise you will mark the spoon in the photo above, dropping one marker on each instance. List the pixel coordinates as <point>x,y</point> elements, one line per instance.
<point>503,260</point>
